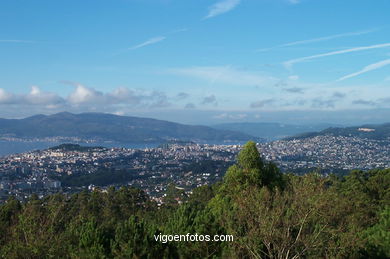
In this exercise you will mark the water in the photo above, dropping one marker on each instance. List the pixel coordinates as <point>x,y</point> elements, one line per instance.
<point>14,147</point>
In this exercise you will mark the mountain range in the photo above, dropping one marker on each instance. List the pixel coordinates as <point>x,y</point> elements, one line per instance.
<point>109,127</point>
<point>126,129</point>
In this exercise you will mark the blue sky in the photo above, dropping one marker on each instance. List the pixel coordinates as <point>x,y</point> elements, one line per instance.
<point>203,61</point>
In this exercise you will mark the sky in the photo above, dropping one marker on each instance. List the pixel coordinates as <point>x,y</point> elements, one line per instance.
<point>198,61</point>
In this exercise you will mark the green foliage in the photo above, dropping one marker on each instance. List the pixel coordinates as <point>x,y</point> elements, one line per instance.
<point>378,236</point>
<point>250,170</point>
<point>189,218</point>
<point>134,238</point>
<point>174,196</point>
<point>249,157</point>
<point>8,214</point>
<point>102,177</point>
<point>201,196</point>
<point>91,240</point>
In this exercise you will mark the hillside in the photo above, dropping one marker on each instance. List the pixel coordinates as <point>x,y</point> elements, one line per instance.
<point>271,131</point>
<point>108,127</point>
<point>370,131</point>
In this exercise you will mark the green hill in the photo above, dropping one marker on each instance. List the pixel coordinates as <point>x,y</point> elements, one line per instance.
<point>371,131</point>
<point>109,127</point>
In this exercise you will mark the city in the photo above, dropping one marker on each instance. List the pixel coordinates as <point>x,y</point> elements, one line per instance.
<point>71,168</point>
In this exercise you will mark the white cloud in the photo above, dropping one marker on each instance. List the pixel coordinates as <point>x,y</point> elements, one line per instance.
<point>319,39</point>
<point>84,98</point>
<point>157,99</point>
<point>366,69</point>
<point>148,42</point>
<point>263,103</point>
<point>83,95</point>
<point>125,95</point>
<point>293,77</point>
<point>119,113</point>
<point>295,90</point>
<point>36,96</point>
<point>363,102</point>
<point>221,7</point>
<point>342,35</point>
<point>225,75</point>
<point>5,97</point>
<point>17,41</point>
<point>228,116</point>
<point>221,116</point>
<point>294,1</point>
<point>290,63</point>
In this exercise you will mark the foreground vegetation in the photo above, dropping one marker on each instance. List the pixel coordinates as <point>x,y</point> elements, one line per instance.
<point>270,215</point>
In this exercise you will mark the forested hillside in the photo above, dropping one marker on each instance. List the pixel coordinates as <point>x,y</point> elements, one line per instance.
<point>109,127</point>
<point>270,215</point>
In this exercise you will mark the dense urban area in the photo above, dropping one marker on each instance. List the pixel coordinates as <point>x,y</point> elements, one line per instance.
<point>328,152</point>
<point>71,168</point>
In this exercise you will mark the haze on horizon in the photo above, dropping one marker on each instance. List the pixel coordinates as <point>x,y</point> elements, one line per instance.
<point>198,62</point>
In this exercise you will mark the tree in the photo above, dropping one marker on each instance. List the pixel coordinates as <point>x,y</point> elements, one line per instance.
<point>174,196</point>
<point>378,237</point>
<point>243,186</point>
<point>8,217</point>
<point>134,238</point>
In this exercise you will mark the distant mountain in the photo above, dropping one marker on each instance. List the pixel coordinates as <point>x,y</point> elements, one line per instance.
<point>109,127</point>
<point>370,131</point>
<point>271,131</point>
